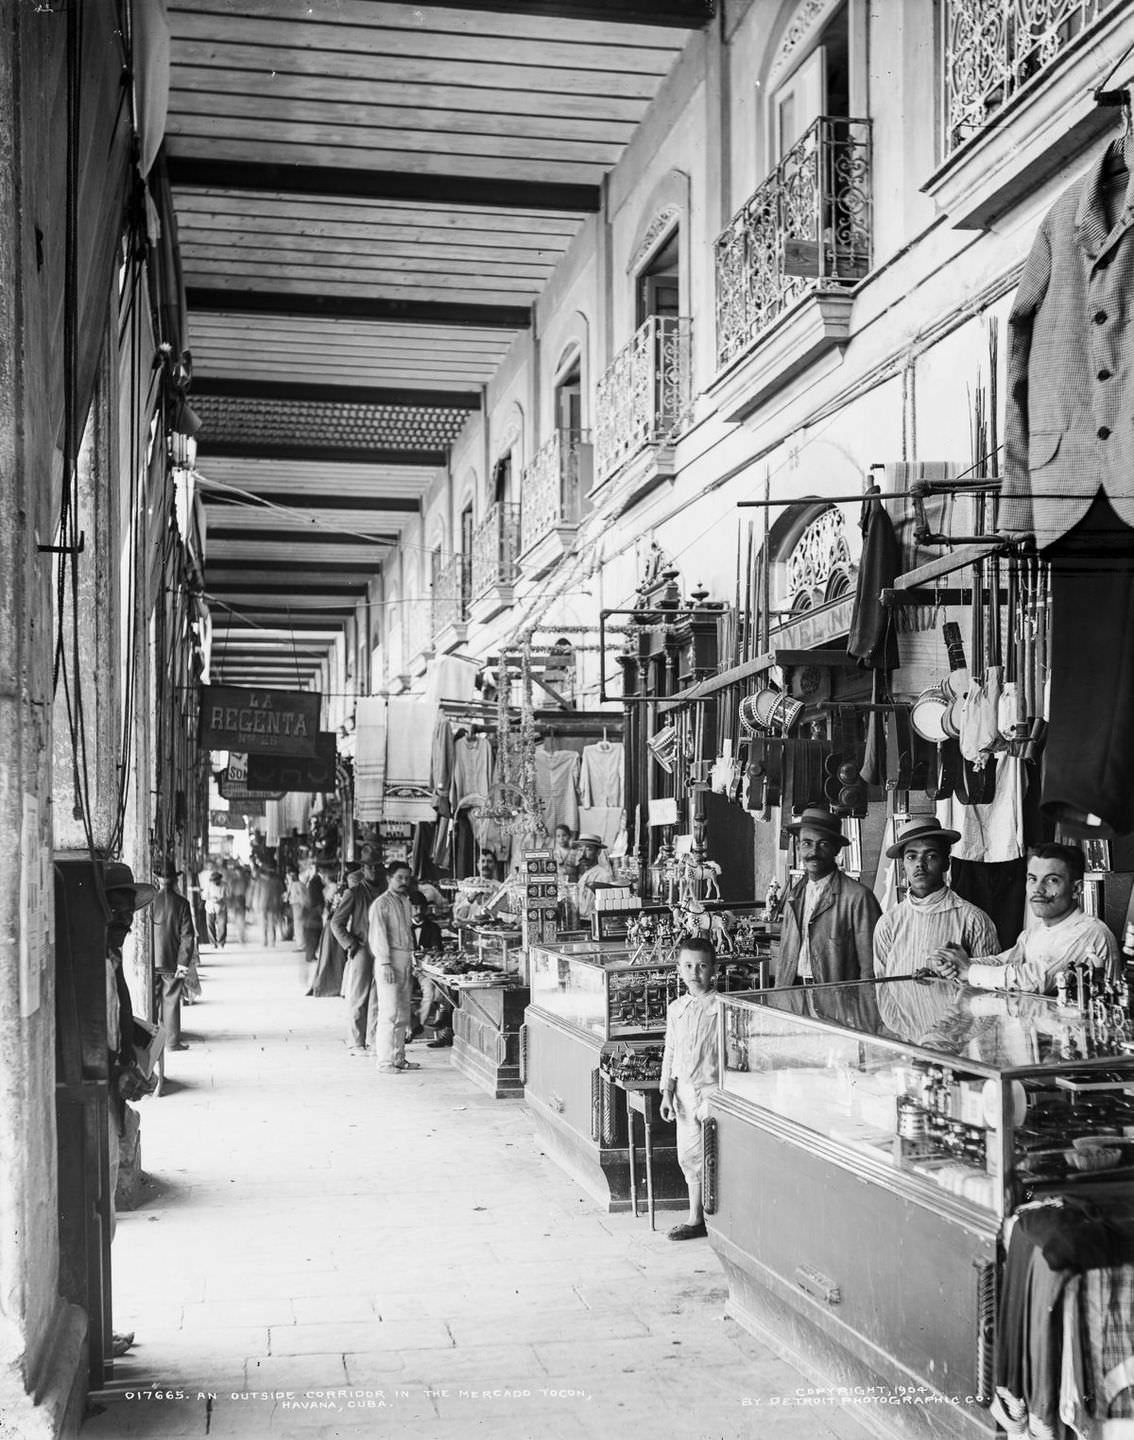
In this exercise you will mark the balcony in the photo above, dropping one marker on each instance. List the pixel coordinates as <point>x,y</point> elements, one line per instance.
<point>554,486</point>
<point>496,545</point>
<point>417,639</point>
<point>787,265</point>
<point>644,401</point>
<point>1018,81</point>
<point>451,604</point>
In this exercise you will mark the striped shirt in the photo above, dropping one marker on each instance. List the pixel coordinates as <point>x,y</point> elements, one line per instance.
<point>914,929</point>
<point>1037,957</point>
<point>390,926</point>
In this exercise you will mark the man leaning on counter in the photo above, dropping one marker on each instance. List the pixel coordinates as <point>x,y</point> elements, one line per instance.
<point>1066,934</point>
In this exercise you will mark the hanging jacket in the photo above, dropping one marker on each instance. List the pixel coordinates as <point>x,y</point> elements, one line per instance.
<point>1071,367</point>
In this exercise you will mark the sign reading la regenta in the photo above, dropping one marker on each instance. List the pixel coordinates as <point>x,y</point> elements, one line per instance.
<point>263,722</point>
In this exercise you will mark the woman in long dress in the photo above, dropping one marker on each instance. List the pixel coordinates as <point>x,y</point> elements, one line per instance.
<point>328,977</point>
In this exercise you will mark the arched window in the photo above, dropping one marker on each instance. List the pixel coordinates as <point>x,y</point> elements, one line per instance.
<point>818,568</point>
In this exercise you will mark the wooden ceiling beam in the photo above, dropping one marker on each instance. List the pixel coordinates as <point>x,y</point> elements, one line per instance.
<point>294,537</point>
<point>223,622</point>
<point>338,181</point>
<point>315,501</point>
<point>338,569</point>
<point>327,454</point>
<point>685,14</point>
<point>311,587</point>
<point>243,389</point>
<point>203,300</point>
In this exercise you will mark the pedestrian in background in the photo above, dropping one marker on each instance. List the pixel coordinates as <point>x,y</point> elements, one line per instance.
<point>174,944</point>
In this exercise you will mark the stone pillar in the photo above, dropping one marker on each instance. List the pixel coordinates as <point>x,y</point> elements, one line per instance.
<point>42,1339</point>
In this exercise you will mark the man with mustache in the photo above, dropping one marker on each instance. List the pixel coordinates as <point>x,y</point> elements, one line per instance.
<point>912,935</point>
<point>1067,934</point>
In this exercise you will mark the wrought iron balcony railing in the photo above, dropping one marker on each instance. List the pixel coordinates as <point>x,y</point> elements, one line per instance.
<point>554,485</point>
<point>993,48</point>
<point>496,544</point>
<point>646,395</point>
<point>417,615</point>
<point>807,228</point>
<point>451,594</point>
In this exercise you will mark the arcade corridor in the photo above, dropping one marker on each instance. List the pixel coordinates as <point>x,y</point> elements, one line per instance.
<point>398,1247</point>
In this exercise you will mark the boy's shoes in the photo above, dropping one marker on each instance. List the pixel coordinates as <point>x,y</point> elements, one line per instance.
<point>688,1232</point>
<point>440,1040</point>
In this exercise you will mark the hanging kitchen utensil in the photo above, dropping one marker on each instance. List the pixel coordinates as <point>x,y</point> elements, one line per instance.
<point>927,713</point>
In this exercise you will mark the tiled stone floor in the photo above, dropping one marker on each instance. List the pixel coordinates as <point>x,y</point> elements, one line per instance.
<point>325,1252</point>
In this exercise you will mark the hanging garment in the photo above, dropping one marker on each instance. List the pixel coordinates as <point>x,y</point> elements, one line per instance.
<point>441,767</point>
<point>557,786</point>
<point>1071,367</point>
<point>1088,763</point>
<point>992,832</point>
<point>472,769</point>
<point>408,789</point>
<point>602,820</point>
<point>872,641</point>
<point>999,889</point>
<point>601,779</point>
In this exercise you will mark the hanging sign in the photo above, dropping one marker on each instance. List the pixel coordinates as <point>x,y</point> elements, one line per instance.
<point>309,774</point>
<point>264,722</point>
<point>226,820</point>
<point>233,785</point>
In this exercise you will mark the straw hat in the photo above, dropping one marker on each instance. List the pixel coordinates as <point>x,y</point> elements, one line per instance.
<point>818,819</point>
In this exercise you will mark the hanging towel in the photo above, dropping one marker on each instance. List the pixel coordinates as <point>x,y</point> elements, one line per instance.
<point>369,757</point>
<point>407,791</point>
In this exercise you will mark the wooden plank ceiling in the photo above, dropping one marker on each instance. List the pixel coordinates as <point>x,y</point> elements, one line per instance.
<point>370,198</point>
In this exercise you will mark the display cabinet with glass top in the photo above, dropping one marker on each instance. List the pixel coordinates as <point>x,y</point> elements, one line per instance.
<point>864,1147</point>
<point>605,991</point>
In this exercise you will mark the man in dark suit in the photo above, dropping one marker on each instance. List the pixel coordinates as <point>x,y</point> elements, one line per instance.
<point>174,943</point>
<point>828,920</point>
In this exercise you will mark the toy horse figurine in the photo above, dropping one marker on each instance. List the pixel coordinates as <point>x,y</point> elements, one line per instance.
<point>696,874</point>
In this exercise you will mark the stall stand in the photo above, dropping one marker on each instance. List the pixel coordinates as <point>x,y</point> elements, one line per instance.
<point>594,1007</point>
<point>863,1150</point>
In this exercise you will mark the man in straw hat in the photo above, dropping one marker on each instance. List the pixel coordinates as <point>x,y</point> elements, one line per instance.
<point>593,872</point>
<point>828,918</point>
<point>912,935</point>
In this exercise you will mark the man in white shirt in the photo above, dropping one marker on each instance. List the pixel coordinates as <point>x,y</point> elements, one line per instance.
<point>690,1068</point>
<point>390,938</point>
<point>1055,890</point>
<point>909,937</point>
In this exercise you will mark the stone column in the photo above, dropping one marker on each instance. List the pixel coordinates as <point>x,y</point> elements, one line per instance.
<point>42,1339</point>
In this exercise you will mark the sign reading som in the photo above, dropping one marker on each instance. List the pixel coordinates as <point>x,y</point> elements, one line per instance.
<point>264,722</point>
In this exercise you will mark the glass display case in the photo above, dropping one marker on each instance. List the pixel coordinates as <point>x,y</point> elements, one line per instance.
<point>601,990</point>
<point>985,1096</point>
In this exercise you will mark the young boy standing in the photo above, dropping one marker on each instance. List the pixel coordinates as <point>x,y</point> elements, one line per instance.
<point>690,1068</point>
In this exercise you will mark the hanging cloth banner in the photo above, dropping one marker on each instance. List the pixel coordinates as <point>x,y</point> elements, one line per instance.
<point>262,722</point>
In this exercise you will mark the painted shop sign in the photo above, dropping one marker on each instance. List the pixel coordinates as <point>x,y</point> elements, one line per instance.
<point>264,722</point>
<point>309,774</point>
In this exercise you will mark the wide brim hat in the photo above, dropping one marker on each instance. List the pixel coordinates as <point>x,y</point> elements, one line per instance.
<point>117,876</point>
<point>820,820</point>
<point>921,830</point>
<point>595,840</point>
